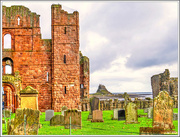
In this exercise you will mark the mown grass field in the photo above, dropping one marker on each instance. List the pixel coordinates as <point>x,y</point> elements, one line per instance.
<point>109,127</point>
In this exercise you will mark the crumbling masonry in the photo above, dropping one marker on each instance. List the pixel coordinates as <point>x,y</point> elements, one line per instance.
<point>54,67</point>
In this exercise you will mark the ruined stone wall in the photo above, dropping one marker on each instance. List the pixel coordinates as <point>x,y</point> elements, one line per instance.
<point>52,66</point>
<point>162,82</point>
<point>84,76</point>
<point>65,59</point>
<point>31,55</point>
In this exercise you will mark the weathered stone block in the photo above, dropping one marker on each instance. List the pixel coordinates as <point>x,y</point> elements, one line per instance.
<point>175,116</point>
<point>32,122</point>
<point>97,116</point>
<point>57,120</point>
<point>75,119</point>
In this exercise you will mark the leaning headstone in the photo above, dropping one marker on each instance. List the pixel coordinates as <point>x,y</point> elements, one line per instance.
<point>150,112</point>
<point>75,119</point>
<point>131,113</point>
<point>97,116</point>
<point>175,116</point>
<point>31,122</point>
<point>115,114</point>
<point>49,114</point>
<point>163,111</point>
<point>121,114</point>
<point>64,108</point>
<point>57,120</point>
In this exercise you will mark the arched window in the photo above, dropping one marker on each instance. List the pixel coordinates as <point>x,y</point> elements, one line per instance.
<point>8,69</point>
<point>7,41</point>
<point>19,21</point>
<point>7,64</point>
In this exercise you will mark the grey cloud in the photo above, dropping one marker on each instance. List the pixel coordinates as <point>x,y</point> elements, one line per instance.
<point>120,22</point>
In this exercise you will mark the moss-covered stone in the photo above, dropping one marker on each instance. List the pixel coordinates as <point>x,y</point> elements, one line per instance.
<point>57,120</point>
<point>29,90</point>
<point>17,124</point>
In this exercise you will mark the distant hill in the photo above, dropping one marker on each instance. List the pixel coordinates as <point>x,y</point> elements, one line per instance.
<point>102,90</point>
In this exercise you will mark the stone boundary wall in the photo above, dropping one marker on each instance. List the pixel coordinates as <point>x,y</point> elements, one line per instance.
<point>112,104</point>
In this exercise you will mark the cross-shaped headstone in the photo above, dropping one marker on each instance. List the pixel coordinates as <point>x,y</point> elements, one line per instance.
<point>125,96</point>
<point>19,21</point>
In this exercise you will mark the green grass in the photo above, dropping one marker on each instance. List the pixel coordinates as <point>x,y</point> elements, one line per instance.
<point>109,127</point>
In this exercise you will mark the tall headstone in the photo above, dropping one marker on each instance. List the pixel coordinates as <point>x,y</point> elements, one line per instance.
<point>49,114</point>
<point>115,114</point>
<point>131,113</point>
<point>163,111</point>
<point>31,121</point>
<point>94,105</point>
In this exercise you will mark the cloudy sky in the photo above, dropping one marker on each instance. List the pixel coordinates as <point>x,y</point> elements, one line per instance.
<point>126,42</point>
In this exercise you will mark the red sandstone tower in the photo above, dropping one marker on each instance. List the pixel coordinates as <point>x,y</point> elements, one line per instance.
<point>65,58</point>
<point>52,66</point>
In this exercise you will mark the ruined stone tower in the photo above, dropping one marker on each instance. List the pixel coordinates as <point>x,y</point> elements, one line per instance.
<point>52,66</point>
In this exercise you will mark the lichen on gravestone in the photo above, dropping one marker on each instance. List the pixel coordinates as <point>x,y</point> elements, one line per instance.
<point>32,120</point>
<point>131,113</point>
<point>29,90</point>
<point>163,111</point>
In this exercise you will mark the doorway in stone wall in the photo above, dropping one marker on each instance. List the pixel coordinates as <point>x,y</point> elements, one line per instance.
<point>10,97</point>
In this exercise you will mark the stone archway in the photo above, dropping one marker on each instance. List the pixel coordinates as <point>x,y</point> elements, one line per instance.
<point>10,97</point>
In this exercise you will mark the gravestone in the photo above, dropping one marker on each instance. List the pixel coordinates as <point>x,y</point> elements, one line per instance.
<point>163,111</point>
<point>64,108</point>
<point>57,120</point>
<point>7,112</point>
<point>145,110</point>
<point>131,113</point>
<point>121,114</point>
<point>150,112</point>
<point>175,116</point>
<point>94,105</point>
<point>49,114</point>
<point>75,119</point>
<point>97,116</point>
<point>115,114</point>
<point>32,122</point>
<point>29,98</point>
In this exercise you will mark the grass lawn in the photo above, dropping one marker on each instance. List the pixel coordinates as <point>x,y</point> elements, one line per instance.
<point>109,127</point>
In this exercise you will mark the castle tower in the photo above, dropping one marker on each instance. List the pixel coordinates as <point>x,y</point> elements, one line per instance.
<point>65,58</point>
